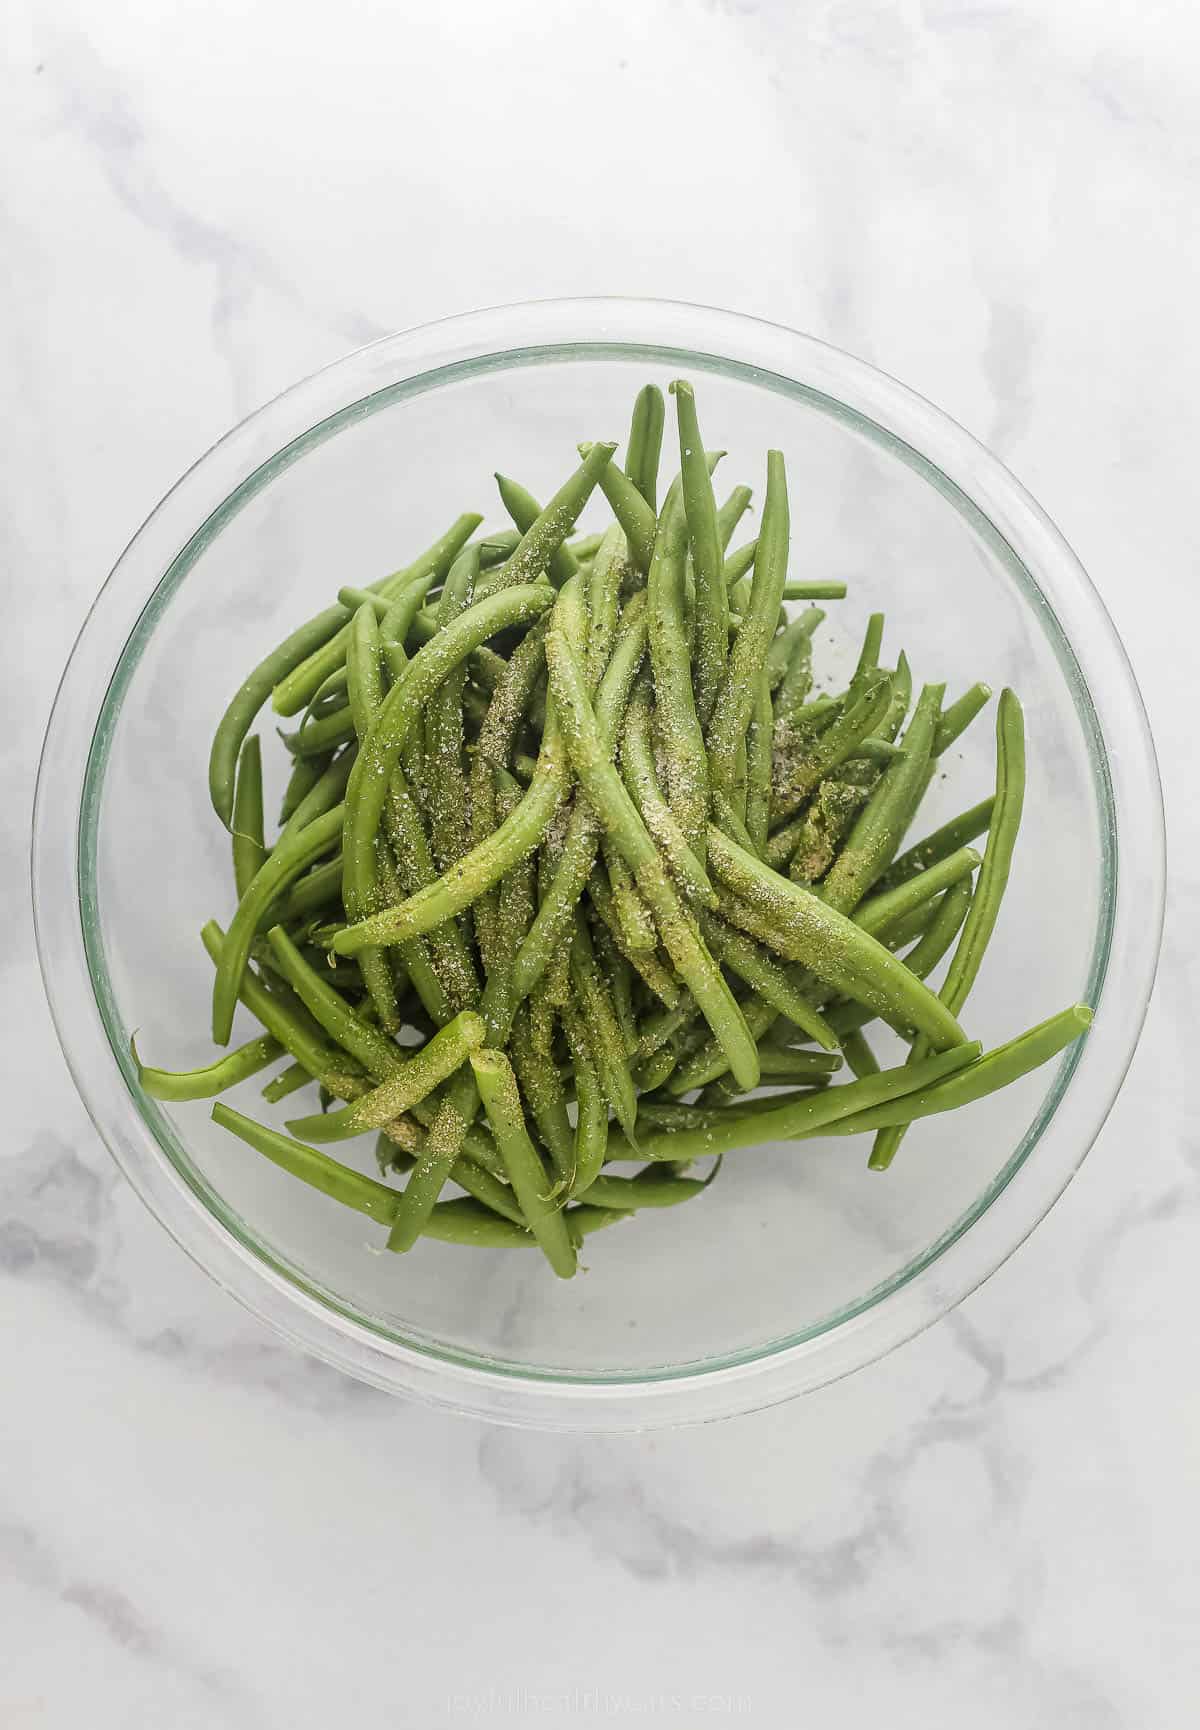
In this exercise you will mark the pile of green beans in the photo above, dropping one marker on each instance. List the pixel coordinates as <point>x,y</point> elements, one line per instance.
<point>575,868</point>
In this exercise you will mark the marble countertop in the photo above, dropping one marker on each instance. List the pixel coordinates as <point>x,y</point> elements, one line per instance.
<point>997,1526</point>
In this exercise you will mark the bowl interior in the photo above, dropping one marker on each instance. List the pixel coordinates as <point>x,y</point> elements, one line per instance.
<point>793,1239</point>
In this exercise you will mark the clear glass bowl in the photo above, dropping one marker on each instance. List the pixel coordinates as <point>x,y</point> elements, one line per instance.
<point>800,1265</point>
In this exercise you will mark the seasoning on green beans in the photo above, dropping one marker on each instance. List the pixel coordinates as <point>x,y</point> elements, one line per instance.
<point>584,858</point>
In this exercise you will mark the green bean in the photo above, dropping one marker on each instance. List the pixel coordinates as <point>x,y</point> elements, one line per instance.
<point>459,1221</point>
<point>500,545</point>
<point>700,514</point>
<point>326,792</point>
<point>296,681</point>
<point>957,717</point>
<point>550,528</point>
<point>735,700</point>
<point>286,1019</point>
<point>364,670</point>
<point>644,446</point>
<point>994,1070</point>
<point>654,1071</point>
<point>249,852</point>
<point>524,510</point>
<point>812,1112</point>
<point>670,657</point>
<point>445,739</point>
<point>398,620</point>
<point>878,912</point>
<point>815,591</point>
<point>990,885</point>
<point>609,569</point>
<point>868,658</point>
<point>616,809</point>
<point>239,717</point>
<point>315,738</point>
<point>291,856</point>
<point>892,722</point>
<point>809,842</point>
<point>654,975</point>
<point>960,830</point>
<point>205,1083</point>
<point>413,1081</point>
<point>479,869</point>
<point>605,1038</point>
<point>585,547</point>
<point>306,772</point>
<point>404,703</point>
<point>739,564</point>
<point>830,945</point>
<point>731,513</point>
<point>635,516</point>
<point>932,945</point>
<point>798,772</point>
<point>591,1127</point>
<point>759,748</point>
<point>786,1063</point>
<point>545,1099</point>
<point>650,1188</point>
<point>548,934</point>
<point>530,1181</point>
<point>877,833</point>
<point>860,1059</point>
<point>379,1055</point>
<point>641,778</point>
<point>796,682</point>
<point>288,1081</point>
<point>634,921</point>
<point>752,963</point>
<point>447,948</point>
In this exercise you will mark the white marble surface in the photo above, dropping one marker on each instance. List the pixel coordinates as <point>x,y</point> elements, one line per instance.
<point>998,1526</point>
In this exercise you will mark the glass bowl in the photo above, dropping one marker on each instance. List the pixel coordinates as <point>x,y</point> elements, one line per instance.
<point>801,1265</point>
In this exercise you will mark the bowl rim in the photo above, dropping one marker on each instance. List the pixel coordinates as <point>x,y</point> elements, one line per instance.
<point>999,511</point>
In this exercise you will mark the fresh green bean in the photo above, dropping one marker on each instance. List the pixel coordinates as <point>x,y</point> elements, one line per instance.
<point>635,516</point>
<point>591,1126</point>
<point>880,911</point>
<point>606,791</point>
<point>932,944</point>
<point>670,657</point>
<point>814,591</point>
<point>530,1181</point>
<point>609,570</point>
<point>524,510</point>
<point>730,514</point>
<point>961,830</point>
<point>291,857</point>
<point>753,964</point>
<point>957,717</point>
<point>249,853</point>
<point>644,446</point>
<point>366,792</point>
<point>829,944</point>
<point>605,1039</point>
<point>799,771</point>
<point>877,833</point>
<point>413,1081</point>
<point>700,514</point>
<point>813,1111</point>
<point>206,1083</point>
<point>286,1019</point>
<point>992,881</point>
<point>297,677</point>
<point>759,756</point>
<point>735,700</point>
<point>641,778</point>
<point>550,528</point>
